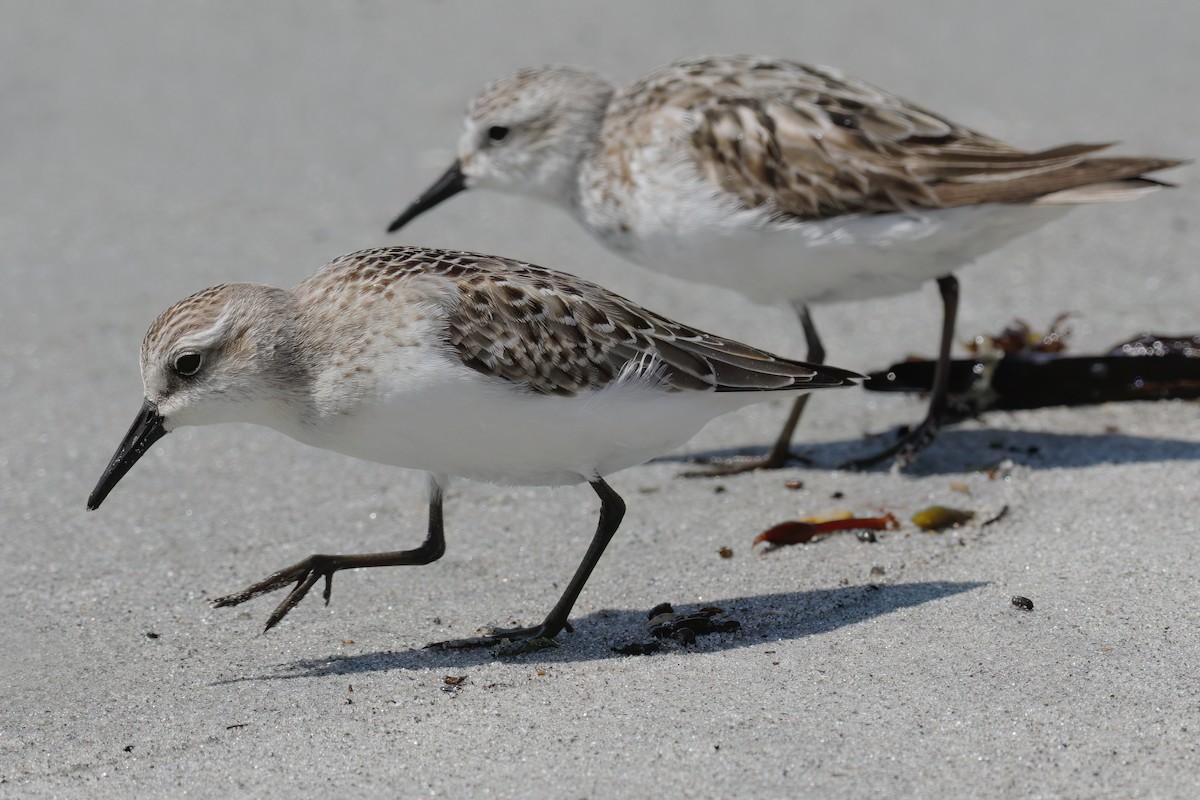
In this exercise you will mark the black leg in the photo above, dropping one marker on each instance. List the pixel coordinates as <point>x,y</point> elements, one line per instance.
<point>612,509</point>
<point>923,434</point>
<point>306,573</point>
<point>781,452</point>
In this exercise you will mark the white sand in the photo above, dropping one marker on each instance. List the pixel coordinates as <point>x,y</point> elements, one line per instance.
<point>147,151</point>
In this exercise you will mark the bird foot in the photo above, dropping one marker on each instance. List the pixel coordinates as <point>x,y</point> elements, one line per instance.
<point>720,469</point>
<point>304,574</point>
<point>511,641</point>
<point>904,451</point>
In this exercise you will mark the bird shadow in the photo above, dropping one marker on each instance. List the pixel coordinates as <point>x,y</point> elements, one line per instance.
<point>763,618</point>
<point>957,451</point>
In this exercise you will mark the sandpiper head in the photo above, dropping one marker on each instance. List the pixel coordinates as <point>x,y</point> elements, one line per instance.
<point>524,133</point>
<point>226,354</point>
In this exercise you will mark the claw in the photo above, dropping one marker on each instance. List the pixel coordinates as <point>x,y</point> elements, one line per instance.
<point>903,452</point>
<point>723,469</point>
<point>511,641</point>
<point>524,646</point>
<point>304,574</point>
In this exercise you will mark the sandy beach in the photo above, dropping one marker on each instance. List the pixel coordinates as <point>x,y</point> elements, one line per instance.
<point>150,150</point>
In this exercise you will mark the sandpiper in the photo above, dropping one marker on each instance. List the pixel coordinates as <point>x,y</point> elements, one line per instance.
<point>782,181</point>
<point>454,363</point>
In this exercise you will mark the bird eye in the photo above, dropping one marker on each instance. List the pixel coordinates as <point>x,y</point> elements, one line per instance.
<point>497,133</point>
<point>188,364</point>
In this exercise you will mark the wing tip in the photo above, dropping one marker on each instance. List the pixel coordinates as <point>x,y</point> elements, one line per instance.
<point>834,377</point>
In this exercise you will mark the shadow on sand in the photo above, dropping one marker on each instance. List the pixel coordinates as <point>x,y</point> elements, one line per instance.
<point>764,618</point>
<point>957,451</point>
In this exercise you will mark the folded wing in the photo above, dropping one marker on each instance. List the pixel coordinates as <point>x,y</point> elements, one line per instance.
<point>558,335</point>
<point>810,143</point>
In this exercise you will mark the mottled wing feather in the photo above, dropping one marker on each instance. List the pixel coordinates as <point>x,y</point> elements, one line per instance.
<point>554,334</point>
<point>810,143</point>
<point>530,329</point>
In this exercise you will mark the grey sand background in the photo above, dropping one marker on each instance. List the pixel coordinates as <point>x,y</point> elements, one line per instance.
<point>149,150</point>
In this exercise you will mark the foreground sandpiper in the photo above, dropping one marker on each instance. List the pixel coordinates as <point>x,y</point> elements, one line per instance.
<point>454,363</point>
<point>785,182</point>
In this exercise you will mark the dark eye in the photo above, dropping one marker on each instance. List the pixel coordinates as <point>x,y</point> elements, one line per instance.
<point>497,133</point>
<point>188,364</point>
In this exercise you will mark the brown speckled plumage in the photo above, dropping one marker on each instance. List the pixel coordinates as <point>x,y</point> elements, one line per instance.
<point>193,312</point>
<point>810,143</point>
<point>553,333</point>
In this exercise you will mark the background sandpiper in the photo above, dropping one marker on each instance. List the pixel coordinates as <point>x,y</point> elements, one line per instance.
<point>782,181</point>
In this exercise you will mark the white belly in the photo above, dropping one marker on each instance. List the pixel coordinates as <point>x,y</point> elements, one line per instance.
<point>850,258</point>
<point>475,427</point>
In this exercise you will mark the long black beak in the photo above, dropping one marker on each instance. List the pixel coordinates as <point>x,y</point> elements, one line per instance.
<point>146,429</point>
<point>445,187</point>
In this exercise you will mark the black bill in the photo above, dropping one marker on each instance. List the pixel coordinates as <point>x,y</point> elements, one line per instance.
<point>451,183</point>
<point>147,429</point>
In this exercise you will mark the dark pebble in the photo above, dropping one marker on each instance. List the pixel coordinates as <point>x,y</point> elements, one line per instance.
<point>638,648</point>
<point>696,625</point>
<point>684,636</point>
<point>661,608</point>
<point>662,631</point>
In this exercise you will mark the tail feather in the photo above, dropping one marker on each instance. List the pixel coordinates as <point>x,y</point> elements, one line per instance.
<point>1105,192</point>
<point>1088,180</point>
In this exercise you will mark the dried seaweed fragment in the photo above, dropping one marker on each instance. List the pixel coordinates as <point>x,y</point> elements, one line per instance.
<point>1019,337</point>
<point>802,531</point>
<point>939,518</point>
